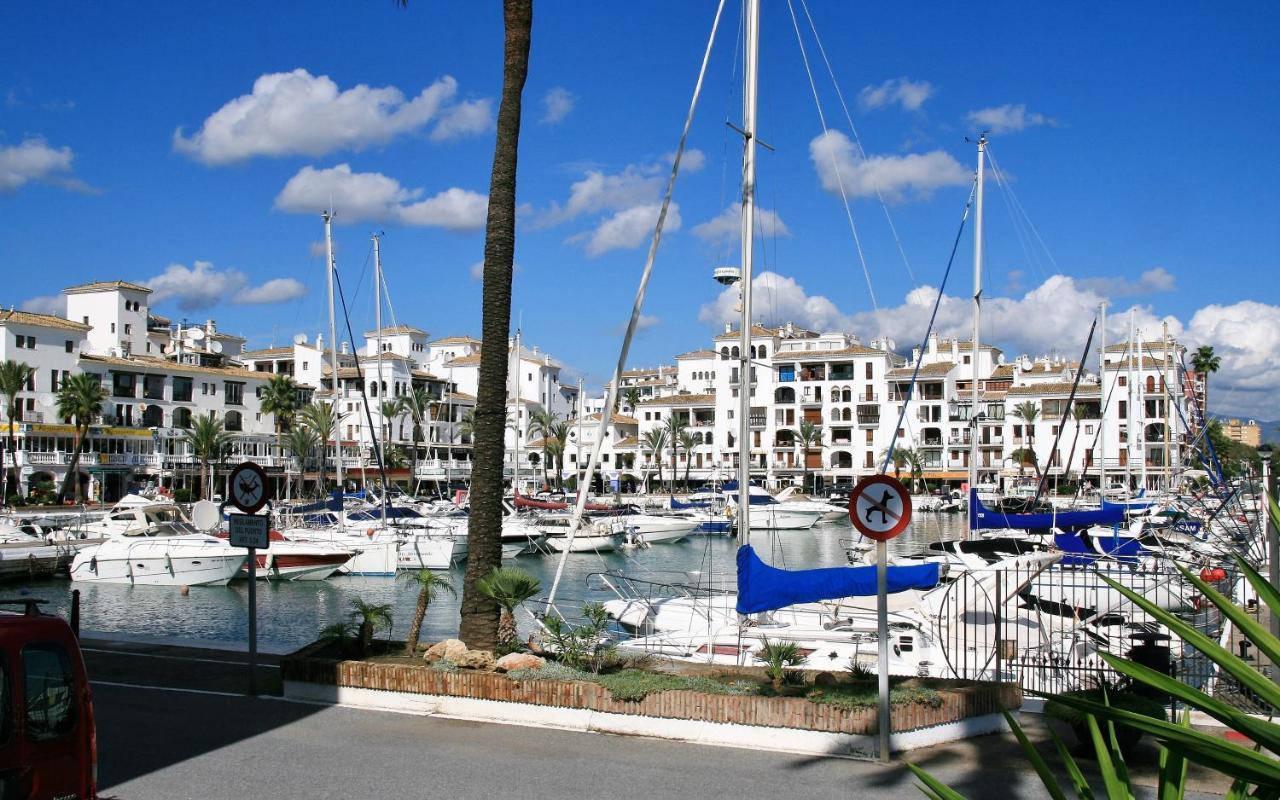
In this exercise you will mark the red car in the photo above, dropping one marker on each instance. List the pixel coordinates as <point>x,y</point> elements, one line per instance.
<point>48,747</point>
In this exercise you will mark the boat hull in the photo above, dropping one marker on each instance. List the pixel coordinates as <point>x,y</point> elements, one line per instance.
<point>157,569</point>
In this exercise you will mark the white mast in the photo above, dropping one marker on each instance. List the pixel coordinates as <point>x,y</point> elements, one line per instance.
<point>977,314</point>
<point>750,80</point>
<point>333,344</point>
<point>383,434</point>
<point>1129,417</point>
<point>1140,411</point>
<point>577,461</point>
<point>1102,406</point>
<point>1166,401</point>
<point>515,478</point>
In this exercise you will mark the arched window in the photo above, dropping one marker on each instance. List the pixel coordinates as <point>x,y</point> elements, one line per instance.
<point>724,354</point>
<point>848,415</point>
<point>846,395</point>
<point>373,389</point>
<point>736,352</point>
<point>182,418</point>
<point>232,421</point>
<point>1151,384</point>
<point>784,394</point>
<point>762,351</point>
<point>835,415</point>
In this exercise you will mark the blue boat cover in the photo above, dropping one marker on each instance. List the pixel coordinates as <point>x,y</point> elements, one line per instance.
<point>1130,506</point>
<point>677,505</point>
<point>1082,549</point>
<point>982,517</point>
<point>333,503</point>
<point>765,588</point>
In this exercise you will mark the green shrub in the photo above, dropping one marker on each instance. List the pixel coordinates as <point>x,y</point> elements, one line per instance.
<point>867,696</point>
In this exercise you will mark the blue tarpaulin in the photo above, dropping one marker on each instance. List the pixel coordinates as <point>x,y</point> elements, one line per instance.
<point>982,517</point>
<point>765,588</point>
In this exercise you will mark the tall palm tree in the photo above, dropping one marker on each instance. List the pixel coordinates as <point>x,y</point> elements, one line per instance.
<point>808,434</point>
<point>557,442</point>
<point>389,411</point>
<point>675,426</point>
<point>540,424</point>
<point>630,398</point>
<point>479,614</point>
<point>902,456</point>
<point>302,442</point>
<point>430,586</point>
<point>467,425</point>
<point>209,442</point>
<point>322,419</point>
<point>687,441</point>
<point>280,400</point>
<point>1024,456</point>
<point>1029,412</point>
<point>508,587</point>
<point>417,404</point>
<point>1205,363</point>
<point>14,376</point>
<point>80,399</point>
<point>654,441</point>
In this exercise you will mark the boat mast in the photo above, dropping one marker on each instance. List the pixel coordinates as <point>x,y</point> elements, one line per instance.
<point>515,477</point>
<point>383,434</point>
<point>1165,399</point>
<point>1129,416</point>
<point>333,345</point>
<point>1140,412</point>
<point>577,466</point>
<point>977,315</point>
<point>751,56</point>
<point>1102,402</point>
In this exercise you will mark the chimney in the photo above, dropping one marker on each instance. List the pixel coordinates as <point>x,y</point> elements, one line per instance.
<point>346,348</point>
<point>728,327</point>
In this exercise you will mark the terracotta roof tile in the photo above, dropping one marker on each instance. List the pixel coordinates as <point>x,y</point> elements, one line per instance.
<point>40,320</point>
<point>99,286</point>
<point>939,369</point>
<point>681,400</point>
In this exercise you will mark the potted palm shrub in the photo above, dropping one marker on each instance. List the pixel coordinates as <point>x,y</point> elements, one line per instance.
<point>508,587</point>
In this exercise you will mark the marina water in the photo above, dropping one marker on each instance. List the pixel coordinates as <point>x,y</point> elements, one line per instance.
<point>291,614</point>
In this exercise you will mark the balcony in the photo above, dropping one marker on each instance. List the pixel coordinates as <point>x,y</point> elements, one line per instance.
<point>756,421</point>
<point>959,440</point>
<point>439,468</point>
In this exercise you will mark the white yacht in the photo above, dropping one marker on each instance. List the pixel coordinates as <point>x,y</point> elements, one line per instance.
<point>155,544</point>
<point>768,514</point>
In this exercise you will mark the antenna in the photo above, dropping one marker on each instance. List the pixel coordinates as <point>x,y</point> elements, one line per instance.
<point>299,338</point>
<point>215,346</point>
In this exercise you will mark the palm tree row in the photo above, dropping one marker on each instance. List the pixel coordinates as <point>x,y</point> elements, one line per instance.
<point>14,377</point>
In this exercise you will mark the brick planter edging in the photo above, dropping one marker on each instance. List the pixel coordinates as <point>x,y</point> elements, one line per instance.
<point>958,703</point>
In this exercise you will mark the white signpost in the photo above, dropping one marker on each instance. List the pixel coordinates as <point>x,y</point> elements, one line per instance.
<point>880,508</point>
<point>248,529</point>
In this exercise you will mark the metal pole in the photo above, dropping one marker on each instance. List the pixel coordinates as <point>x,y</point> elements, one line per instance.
<point>751,73</point>
<point>1273,551</point>
<point>882,637</point>
<point>977,316</point>
<point>333,347</point>
<point>253,622</point>
<point>1103,394</point>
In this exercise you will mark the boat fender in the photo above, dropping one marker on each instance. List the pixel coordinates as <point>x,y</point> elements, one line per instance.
<point>93,565</point>
<point>368,532</point>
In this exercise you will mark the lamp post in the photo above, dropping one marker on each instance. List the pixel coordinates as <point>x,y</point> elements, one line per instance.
<point>1273,541</point>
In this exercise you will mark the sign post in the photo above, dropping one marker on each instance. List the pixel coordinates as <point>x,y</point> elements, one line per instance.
<point>880,508</point>
<point>247,529</point>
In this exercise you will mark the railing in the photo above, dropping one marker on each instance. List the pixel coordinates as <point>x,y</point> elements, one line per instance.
<point>863,420</point>
<point>959,440</point>
<point>439,466</point>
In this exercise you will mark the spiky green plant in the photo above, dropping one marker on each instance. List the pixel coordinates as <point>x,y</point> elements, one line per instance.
<point>368,617</point>
<point>508,587</point>
<point>777,657</point>
<point>1254,771</point>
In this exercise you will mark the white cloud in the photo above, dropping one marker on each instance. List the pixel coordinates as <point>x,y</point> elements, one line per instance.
<point>643,323</point>
<point>556,104</point>
<point>778,299</point>
<point>628,228</point>
<point>726,226</point>
<point>372,196</point>
<point>1008,118</point>
<point>55,304</point>
<point>1246,337</point>
<point>905,92</point>
<point>202,286</point>
<point>297,113</point>
<point>34,160</point>
<point>467,118</point>
<point>598,192</point>
<point>693,160</point>
<point>1152,281</point>
<point>896,177</point>
<point>276,290</point>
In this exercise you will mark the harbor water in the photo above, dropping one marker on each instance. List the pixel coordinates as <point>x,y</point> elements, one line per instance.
<point>291,614</point>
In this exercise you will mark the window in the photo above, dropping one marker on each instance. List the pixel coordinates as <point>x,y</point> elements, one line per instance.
<point>53,380</point>
<point>1124,409</point>
<point>1124,381</point>
<point>128,329</point>
<point>870,370</point>
<point>181,390</point>
<point>70,346</point>
<point>86,320</point>
<point>871,436</point>
<point>113,327</point>
<point>49,691</point>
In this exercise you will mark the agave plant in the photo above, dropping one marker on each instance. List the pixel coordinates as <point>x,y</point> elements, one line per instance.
<point>1255,772</point>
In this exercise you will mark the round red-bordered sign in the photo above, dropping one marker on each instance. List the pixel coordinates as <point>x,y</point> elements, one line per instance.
<point>248,487</point>
<point>880,507</point>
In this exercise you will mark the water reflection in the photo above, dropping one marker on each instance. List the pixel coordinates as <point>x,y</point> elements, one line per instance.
<point>290,614</point>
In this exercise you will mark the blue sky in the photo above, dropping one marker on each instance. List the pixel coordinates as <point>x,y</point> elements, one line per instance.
<point>1139,140</point>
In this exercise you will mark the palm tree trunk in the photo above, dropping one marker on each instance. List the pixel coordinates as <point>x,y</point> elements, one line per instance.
<point>71,481</point>
<point>478,624</point>
<point>13,454</point>
<point>415,627</point>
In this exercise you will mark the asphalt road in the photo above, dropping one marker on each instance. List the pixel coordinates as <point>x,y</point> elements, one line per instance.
<point>173,724</point>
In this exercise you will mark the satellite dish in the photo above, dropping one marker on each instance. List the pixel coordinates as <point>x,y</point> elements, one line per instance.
<point>195,334</point>
<point>47,400</point>
<point>206,515</point>
<point>215,347</point>
<point>300,338</point>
